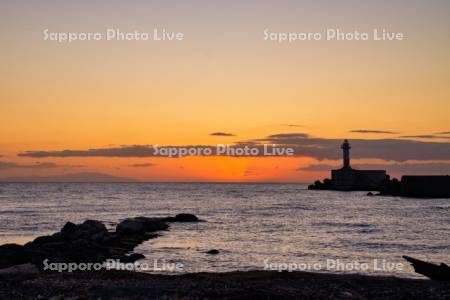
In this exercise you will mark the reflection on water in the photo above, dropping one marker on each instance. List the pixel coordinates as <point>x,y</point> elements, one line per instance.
<point>248,223</point>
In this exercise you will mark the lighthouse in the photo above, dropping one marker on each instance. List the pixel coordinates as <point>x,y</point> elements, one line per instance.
<point>346,154</point>
<point>349,179</point>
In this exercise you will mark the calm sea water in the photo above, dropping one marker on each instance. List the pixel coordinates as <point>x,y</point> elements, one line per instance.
<point>251,224</point>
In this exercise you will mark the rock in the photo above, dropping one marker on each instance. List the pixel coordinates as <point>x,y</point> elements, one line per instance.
<point>370,194</point>
<point>39,241</point>
<point>390,187</point>
<point>80,243</point>
<point>149,236</point>
<point>140,225</point>
<point>92,226</point>
<point>110,239</point>
<point>186,218</point>
<point>131,258</point>
<point>69,228</point>
<point>434,272</point>
<point>318,185</point>
<point>182,218</point>
<point>13,254</point>
<point>20,269</point>
<point>130,226</point>
<point>154,224</point>
<point>88,242</point>
<point>53,246</point>
<point>116,251</point>
<point>98,237</point>
<point>213,252</point>
<point>69,232</point>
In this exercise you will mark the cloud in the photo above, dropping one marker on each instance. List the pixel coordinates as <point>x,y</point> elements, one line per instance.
<point>424,136</point>
<point>123,151</point>
<point>319,167</point>
<point>221,134</point>
<point>420,136</point>
<point>399,168</point>
<point>385,149</point>
<point>288,136</point>
<point>373,131</point>
<point>45,165</point>
<point>320,148</point>
<point>292,125</point>
<point>73,177</point>
<point>443,132</point>
<point>142,165</point>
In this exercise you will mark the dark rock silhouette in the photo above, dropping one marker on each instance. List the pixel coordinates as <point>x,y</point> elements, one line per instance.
<point>182,218</point>
<point>140,225</point>
<point>89,242</point>
<point>13,254</point>
<point>391,187</point>
<point>213,252</point>
<point>434,272</point>
<point>132,257</point>
<point>318,185</point>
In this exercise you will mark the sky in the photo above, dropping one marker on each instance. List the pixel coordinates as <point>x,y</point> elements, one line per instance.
<point>391,99</point>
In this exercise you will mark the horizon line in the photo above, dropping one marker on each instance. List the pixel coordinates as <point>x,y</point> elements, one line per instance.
<point>172,182</point>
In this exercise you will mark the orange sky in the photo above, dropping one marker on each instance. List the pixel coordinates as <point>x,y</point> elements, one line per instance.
<point>222,77</point>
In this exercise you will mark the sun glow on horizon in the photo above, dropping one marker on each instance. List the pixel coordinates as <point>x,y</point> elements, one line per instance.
<point>222,77</point>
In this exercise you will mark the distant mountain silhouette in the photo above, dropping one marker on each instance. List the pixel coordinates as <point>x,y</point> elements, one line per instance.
<point>72,177</point>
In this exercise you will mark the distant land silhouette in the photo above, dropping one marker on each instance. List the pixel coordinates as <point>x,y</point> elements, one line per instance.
<point>71,177</point>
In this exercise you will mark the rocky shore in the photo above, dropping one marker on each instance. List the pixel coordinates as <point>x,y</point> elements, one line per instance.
<point>234,285</point>
<point>23,275</point>
<point>89,242</point>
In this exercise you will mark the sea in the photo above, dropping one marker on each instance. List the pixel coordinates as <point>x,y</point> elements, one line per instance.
<point>253,226</point>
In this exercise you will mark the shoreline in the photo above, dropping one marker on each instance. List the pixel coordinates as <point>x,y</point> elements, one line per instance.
<point>54,267</point>
<point>91,246</point>
<point>230,285</point>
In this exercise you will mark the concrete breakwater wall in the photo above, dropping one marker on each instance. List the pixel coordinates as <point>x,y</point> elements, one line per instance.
<point>426,186</point>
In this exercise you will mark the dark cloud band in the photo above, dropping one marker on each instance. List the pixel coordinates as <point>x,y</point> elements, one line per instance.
<point>45,165</point>
<point>373,131</point>
<point>303,145</point>
<point>221,134</point>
